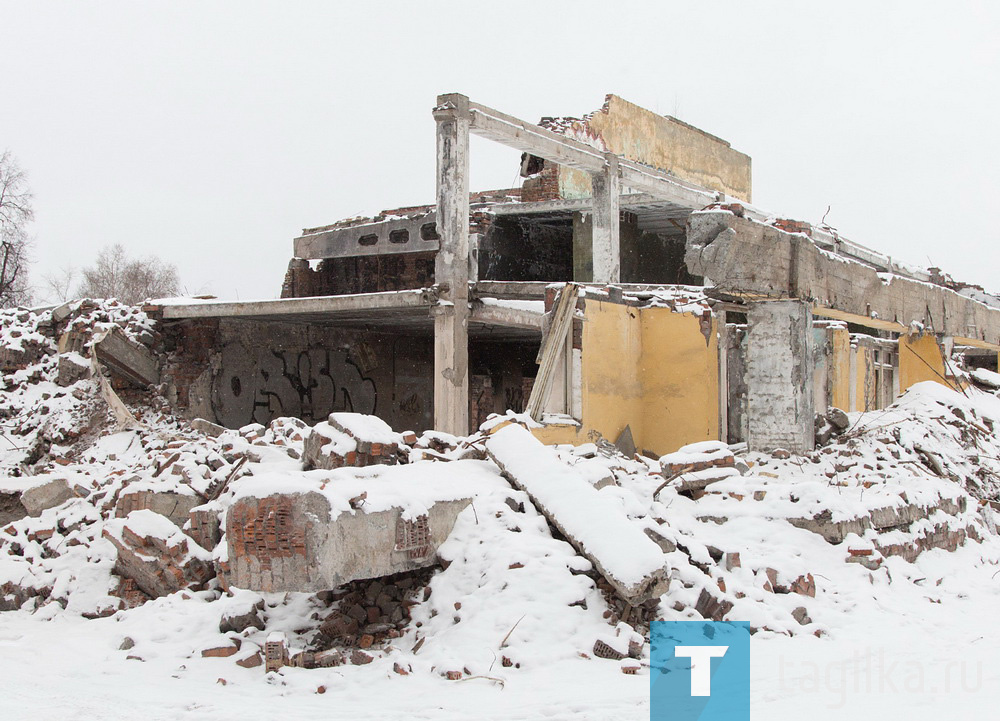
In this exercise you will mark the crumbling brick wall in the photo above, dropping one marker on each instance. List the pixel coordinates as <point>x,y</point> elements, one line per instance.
<point>359,274</point>
<point>190,345</point>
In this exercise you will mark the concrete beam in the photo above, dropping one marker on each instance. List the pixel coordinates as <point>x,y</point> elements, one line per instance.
<point>126,358</point>
<point>319,305</point>
<point>508,317</point>
<point>388,237</point>
<point>594,523</point>
<point>451,319</point>
<point>512,289</point>
<point>750,259</point>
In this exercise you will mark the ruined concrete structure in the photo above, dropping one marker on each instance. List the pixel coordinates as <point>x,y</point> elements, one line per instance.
<point>694,316</point>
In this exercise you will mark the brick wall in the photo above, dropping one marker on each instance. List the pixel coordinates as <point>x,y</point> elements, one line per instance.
<point>190,345</point>
<point>360,274</point>
<point>543,186</point>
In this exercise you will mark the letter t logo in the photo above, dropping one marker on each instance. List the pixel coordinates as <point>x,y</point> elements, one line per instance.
<point>701,665</point>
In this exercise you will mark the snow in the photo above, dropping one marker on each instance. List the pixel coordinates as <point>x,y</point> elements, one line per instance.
<point>529,306</point>
<point>986,377</point>
<point>414,487</point>
<point>370,428</point>
<point>902,641</point>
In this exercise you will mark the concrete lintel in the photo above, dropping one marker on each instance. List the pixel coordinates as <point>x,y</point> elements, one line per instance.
<point>418,298</point>
<point>346,242</point>
<point>507,317</point>
<point>510,289</point>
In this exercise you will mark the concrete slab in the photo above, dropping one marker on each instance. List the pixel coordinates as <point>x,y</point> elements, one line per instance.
<point>293,542</point>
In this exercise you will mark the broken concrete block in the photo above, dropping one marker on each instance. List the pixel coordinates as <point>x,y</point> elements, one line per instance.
<point>351,439</point>
<point>696,465</point>
<point>173,504</point>
<point>127,359</point>
<point>838,419</point>
<point>697,457</point>
<point>11,508</point>
<point>296,542</point>
<point>46,495</point>
<point>212,430</point>
<point>73,367</point>
<point>592,522</point>
<point>243,614</point>
<point>155,554</point>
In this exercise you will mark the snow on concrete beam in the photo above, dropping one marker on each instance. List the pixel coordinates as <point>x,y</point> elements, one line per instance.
<point>594,523</point>
<point>319,305</point>
<point>127,359</point>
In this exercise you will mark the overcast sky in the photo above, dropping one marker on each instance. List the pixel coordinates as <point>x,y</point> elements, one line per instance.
<point>211,133</point>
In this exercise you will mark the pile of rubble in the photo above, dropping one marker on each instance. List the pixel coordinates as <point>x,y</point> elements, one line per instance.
<point>351,543</point>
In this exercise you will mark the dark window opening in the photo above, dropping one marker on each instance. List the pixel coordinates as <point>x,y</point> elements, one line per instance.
<point>429,231</point>
<point>371,239</point>
<point>399,236</point>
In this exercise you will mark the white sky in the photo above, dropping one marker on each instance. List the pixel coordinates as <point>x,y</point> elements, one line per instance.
<point>210,133</point>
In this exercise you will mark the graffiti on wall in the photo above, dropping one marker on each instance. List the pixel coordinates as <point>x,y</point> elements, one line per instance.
<point>303,383</point>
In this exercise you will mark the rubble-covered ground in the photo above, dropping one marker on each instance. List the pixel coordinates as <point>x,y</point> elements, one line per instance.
<point>868,569</point>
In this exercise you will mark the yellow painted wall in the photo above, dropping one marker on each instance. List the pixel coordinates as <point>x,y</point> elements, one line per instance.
<point>840,368</point>
<point>663,142</point>
<point>920,359</point>
<point>649,368</point>
<point>611,386</point>
<point>680,380</point>
<point>864,378</point>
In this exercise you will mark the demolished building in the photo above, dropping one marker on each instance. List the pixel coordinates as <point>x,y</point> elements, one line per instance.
<point>439,315</point>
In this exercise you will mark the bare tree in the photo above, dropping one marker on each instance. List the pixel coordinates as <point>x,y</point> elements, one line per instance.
<point>15,214</point>
<point>130,280</point>
<point>59,287</point>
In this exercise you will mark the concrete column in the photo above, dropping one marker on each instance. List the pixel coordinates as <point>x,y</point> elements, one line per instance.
<point>451,269</point>
<point>780,376</point>
<point>583,247</point>
<point>605,229</point>
<point>720,318</point>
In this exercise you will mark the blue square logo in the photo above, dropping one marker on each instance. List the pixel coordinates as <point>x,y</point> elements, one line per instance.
<point>699,671</point>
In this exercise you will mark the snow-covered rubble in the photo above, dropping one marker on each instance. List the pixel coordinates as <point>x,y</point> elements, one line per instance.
<point>131,524</point>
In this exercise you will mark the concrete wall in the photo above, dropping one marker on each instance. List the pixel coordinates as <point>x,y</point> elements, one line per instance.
<point>236,372</point>
<point>254,371</point>
<point>663,142</point>
<point>780,376</point>
<point>759,260</point>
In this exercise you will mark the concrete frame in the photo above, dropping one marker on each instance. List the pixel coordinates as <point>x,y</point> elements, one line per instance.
<point>456,117</point>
